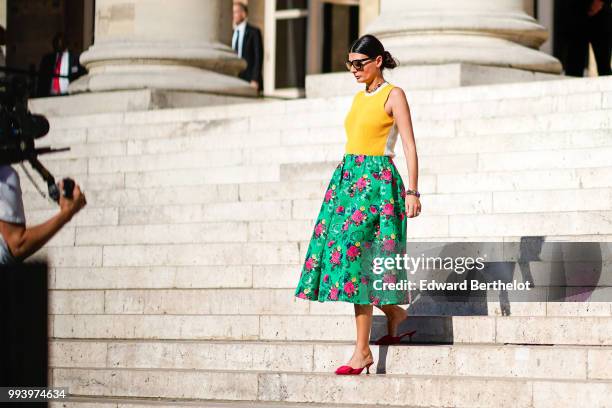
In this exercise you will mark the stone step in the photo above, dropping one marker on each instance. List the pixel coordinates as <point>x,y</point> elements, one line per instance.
<point>561,330</point>
<point>203,176</point>
<point>509,91</point>
<point>474,163</point>
<point>580,363</point>
<point>107,183</point>
<point>273,301</point>
<point>190,254</point>
<point>234,160</point>
<point>506,202</point>
<point>362,390</point>
<point>270,276</point>
<point>108,190</point>
<point>307,145</point>
<point>269,218</point>
<point>267,232</point>
<point>107,402</point>
<point>460,101</point>
<point>457,329</point>
<point>100,195</point>
<point>594,174</point>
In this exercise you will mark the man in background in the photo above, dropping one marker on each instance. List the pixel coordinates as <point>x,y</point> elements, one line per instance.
<point>590,21</point>
<point>2,44</point>
<point>248,44</point>
<point>57,69</point>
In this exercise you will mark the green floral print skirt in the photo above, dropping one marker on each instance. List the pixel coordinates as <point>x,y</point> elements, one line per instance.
<point>362,217</point>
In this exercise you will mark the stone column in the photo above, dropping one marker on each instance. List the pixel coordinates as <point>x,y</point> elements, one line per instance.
<point>482,32</point>
<point>163,45</point>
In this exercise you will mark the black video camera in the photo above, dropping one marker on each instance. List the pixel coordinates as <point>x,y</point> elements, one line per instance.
<point>18,130</point>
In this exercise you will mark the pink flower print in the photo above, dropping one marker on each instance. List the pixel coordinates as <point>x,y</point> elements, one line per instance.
<point>388,209</point>
<point>330,243</point>
<point>373,209</point>
<point>389,278</point>
<point>388,245</point>
<point>376,175</point>
<point>329,194</point>
<point>353,252</point>
<point>367,244</point>
<point>385,174</point>
<point>319,228</point>
<point>358,217</point>
<point>346,175</point>
<point>375,300</point>
<point>302,295</point>
<point>326,278</point>
<point>333,293</point>
<point>349,288</point>
<point>345,225</point>
<point>401,216</point>
<point>359,159</point>
<point>362,183</point>
<point>364,280</point>
<point>403,193</point>
<point>335,257</point>
<point>339,209</point>
<point>310,263</point>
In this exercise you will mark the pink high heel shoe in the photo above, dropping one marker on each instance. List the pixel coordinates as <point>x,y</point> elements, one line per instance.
<point>348,370</point>
<point>387,339</point>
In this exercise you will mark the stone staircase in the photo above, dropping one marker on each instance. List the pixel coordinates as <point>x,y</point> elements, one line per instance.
<point>174,286</point>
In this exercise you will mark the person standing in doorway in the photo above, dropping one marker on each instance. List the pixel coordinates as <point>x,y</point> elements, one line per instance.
<point>248,44</point>
<point>57,69</point>
<point>590,22</point>
<point>2,44</point>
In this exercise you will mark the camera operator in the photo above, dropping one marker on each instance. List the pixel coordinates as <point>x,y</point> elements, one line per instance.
<point>17,241</point>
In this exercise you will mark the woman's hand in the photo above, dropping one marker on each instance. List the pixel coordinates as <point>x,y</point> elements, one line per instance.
<point>413,206</point>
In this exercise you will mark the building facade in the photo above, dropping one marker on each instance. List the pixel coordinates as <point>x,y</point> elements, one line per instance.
<point>185,45</point>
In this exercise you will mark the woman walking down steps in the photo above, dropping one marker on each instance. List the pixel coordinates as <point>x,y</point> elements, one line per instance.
<point>364,209</point>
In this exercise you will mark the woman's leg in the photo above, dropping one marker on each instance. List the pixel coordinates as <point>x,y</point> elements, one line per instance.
<point>395,315</point>
<point>362,354</point>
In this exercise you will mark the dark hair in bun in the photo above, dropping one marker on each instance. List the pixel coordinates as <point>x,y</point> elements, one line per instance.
<point>372,47</point>
<point>388,60</point>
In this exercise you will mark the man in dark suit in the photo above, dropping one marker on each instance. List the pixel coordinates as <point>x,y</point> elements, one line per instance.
<point>57,69</point>
<point>247,43</point>
<point>589,21</point>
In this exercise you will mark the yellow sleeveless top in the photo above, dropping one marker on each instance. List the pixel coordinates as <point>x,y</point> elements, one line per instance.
<point>369,129</point>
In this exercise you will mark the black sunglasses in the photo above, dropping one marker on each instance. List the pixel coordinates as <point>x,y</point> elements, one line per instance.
<point>357,63</point>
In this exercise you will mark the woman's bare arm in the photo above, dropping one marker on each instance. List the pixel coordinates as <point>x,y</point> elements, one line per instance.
<point>401,112</point>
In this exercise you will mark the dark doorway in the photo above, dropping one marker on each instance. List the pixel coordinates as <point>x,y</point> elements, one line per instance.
<point>340,29</point>
<point>563,19</point>
<point>32,24</point>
